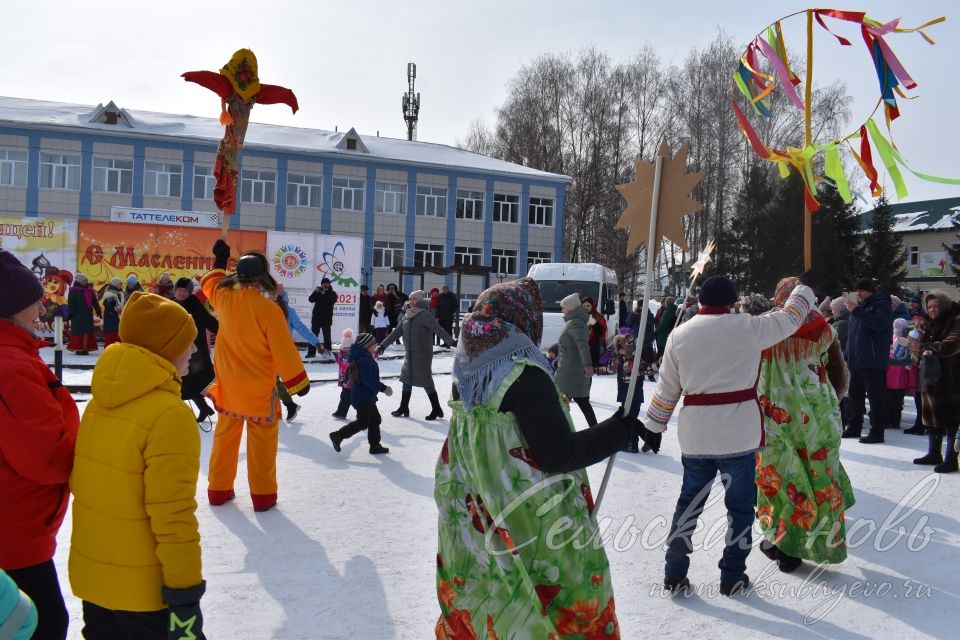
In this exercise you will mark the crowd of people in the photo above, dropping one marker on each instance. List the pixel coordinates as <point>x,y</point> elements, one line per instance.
<point>765,389</point>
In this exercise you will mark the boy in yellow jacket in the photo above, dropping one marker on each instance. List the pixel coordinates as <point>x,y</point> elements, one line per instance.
<point>253,346</point>
<point>135,550</point>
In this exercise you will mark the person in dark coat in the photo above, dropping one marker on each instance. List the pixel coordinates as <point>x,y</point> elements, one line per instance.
<point>323,298</point>
<point>666,322</point>
<point>868,346</point>
<point>365,309</point>
<point>112,302</point>
<point>900,309</point>
<point>447,307</point>
<point>418,327</point>
<point>365,384</point>
<point>395,302</point>
<point>133,285</point>
<point>622,310</point>
<point>81,306</point>
<point>941,400</point>
<point>201,366</point>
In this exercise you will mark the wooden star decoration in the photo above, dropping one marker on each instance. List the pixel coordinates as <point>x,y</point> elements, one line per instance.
<point>675,187</point>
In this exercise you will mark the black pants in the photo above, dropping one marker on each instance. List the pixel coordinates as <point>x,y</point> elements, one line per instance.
<point>317,329</point>
<point>895,407</point>
<point>41,584</point>
<point>872,384</point>
<point>587,409</point>
<point>368,417</point>
<point>344,405</point>
<point>108,624</point>
<point>446,325</point>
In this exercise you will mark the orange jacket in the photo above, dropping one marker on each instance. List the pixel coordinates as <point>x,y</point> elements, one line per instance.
<point>253,346</point>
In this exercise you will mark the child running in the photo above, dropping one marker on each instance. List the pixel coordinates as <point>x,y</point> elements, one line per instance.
<point>365,384</point>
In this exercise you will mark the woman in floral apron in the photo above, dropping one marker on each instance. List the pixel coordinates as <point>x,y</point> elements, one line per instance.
<point>518,553</point>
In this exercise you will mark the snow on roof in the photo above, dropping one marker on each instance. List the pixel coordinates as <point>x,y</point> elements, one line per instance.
<point>39,113</point>
<point>924,215</point>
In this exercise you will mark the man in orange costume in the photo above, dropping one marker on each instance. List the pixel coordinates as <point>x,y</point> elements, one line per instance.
<point>253,347</point>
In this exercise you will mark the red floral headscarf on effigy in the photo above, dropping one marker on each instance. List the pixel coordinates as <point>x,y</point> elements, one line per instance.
<point>505,325</point>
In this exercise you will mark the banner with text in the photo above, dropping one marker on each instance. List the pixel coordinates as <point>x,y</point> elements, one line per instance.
<point>202,219</point>
<point>48,247</point>
<point>935,263</point>
<point>108,250</point>
<point>301,260</point>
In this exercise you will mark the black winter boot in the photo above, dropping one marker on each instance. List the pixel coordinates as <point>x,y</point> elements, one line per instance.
<point>916,430</point>
<point>437,410</point>
<point>403,411</point>
<point>935,438</point>
<point>949,464</point>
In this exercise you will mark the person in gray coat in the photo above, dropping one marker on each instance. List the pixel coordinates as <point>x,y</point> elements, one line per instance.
<point>574,371</point>
<point>417,327</point>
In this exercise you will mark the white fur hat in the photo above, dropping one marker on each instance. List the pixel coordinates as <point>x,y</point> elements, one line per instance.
<point>572,301</point>
<point>379,305</point>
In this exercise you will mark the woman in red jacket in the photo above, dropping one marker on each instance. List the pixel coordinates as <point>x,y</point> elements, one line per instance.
<point>38,429</point>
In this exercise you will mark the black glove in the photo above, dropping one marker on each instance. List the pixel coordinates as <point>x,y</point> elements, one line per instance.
<point>808,278</point>
<point>304,391</point>
<point>624,422</point>
<point>221,253</point>
<point>185,620</point>
<point>380,349</point>
<point>652,440</point>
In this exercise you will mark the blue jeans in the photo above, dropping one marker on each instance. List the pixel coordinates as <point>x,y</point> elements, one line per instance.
<point>737,476</point>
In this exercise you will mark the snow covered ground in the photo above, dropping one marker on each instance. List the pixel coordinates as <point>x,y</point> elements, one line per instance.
<point>349,551</point>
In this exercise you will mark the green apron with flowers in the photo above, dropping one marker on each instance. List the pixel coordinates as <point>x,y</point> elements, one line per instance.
<point>802,489</point>
<point>519,557</point>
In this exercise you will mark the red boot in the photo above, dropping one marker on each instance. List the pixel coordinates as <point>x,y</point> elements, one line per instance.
<point>263,501</point>
<point>218,498</point>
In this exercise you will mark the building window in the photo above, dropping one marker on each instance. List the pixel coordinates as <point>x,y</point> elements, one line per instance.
<point>954,247</point>
<point>432,201</point>
<point>913,255</point>
<point>162,179</point>
<point>348,194</point>
<point>259,187</point>
<point>59,171</point>
<point>203,182</point>
<point>427,255</point>
<point>504,261</point>
<point>112,175</point>
<point>13,168</point>
<point>469,204</point>
<point>467,256</point>
<point>387,254</point>
<point>390,198</point>
<point>538,257</point>
<point>304,190</point>
<point>541,212</point>
<point>466,302</point>
<point>506,208</point>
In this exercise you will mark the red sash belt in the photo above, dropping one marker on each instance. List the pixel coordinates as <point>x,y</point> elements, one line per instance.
<point>727,397</point>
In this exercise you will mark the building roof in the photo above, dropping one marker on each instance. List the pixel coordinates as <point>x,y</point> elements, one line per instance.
<point>924,215</point>
<point>22,112</point>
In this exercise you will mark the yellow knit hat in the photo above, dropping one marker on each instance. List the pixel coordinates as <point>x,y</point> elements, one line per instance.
<point>157,324</point>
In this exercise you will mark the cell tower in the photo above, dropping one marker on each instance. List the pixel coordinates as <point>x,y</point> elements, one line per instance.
<point>411,103</point>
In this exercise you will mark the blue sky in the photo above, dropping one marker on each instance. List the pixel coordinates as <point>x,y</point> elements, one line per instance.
<point>346,61</point>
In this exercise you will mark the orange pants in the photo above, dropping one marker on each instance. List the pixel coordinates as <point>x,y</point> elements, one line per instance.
<point>262,443</point>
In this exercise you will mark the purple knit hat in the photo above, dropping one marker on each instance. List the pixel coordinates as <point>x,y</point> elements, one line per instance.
<point>19,287</point>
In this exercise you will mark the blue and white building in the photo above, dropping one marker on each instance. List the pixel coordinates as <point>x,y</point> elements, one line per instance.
<point>413,203</point>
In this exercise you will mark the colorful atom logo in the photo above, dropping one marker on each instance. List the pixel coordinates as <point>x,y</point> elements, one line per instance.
<point>333,266</point>
<point>290,261</point>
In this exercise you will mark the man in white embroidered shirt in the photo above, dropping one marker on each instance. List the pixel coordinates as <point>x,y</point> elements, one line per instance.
<point>712,361</point>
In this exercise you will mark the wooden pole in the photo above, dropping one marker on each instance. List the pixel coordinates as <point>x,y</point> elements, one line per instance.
<point>644,312</point>
<point>807,214</point>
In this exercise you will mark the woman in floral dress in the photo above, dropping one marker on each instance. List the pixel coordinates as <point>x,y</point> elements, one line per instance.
<point>802,489</point>
<point>518,557</point>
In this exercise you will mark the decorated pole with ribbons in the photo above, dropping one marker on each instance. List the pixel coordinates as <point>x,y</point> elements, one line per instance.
<point>239,88</point>
<point>656,202</point>
<point>763,72</point>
